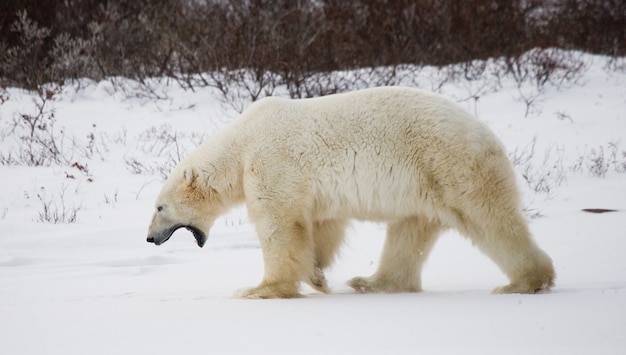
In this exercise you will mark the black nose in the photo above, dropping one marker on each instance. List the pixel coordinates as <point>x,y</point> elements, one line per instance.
<point>150,240</point>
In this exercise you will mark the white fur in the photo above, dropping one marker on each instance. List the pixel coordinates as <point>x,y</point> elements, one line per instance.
<point>403,156</point>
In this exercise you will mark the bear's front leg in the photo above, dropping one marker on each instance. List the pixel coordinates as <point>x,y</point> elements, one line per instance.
<point>288,254</point>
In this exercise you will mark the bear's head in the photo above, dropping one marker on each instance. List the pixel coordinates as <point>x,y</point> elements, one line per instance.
<point>187,200</point>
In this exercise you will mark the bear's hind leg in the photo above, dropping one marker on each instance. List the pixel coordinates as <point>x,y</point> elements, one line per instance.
<point>328,237</point>
<point>407,246</point>
<point>507,241</point>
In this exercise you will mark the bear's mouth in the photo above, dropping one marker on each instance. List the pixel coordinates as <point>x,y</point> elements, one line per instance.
<point>163,236</point>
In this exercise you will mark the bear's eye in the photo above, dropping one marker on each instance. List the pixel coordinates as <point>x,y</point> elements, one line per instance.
<point>159,208</point>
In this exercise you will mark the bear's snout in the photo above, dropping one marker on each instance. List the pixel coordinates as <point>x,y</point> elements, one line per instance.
<point>158,240</point>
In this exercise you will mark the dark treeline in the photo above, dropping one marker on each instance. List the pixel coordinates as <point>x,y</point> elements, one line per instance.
<point>59,40</point>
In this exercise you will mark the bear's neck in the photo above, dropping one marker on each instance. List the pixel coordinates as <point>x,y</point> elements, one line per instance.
<point>222,160</point>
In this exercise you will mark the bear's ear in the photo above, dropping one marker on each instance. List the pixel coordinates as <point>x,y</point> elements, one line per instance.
<point>189,175</point>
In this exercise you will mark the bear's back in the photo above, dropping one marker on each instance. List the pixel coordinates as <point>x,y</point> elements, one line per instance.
<point>366,116</point>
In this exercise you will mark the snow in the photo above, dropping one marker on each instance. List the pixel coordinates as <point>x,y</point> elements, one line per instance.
<point>96,286</point>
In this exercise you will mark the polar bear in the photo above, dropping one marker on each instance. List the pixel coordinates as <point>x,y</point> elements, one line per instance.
<point>304,168</point>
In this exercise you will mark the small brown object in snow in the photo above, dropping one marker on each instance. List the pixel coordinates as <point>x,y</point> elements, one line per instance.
<point>597,210</point>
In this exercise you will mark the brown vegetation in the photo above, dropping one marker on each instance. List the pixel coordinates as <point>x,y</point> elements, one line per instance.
<point>195,41</point>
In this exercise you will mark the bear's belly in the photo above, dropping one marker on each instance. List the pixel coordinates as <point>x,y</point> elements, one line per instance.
<point>374,199</point>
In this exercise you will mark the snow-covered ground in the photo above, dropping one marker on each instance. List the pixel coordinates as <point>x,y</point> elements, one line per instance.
<point>96,287</point>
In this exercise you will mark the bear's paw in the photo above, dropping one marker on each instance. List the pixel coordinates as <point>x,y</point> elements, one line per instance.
<point>269,291</point>
<point>376,285</point>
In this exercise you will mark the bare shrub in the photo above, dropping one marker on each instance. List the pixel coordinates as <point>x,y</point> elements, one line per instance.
<point>53,209</point>
<point>111,200</point>
<point>74,58</point>
<point>142,89</point>
<point>161,149</point>
<point>564,116</point>
<point>4,96</point>
<point>540,176</point>
<point>598,164</point>
<point>540,67</point>
<point>532,98</point>
<point>248,85</point>
<point>616,64</point>
<point>27,61</point>
<point>327,83</point>
<point>38,143</point>
<point>95,144</point>
<point>600,160</point>
<point>546,66</point>
<point>474,77</point>
<point>37,140</point>
<point>134,166</point>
